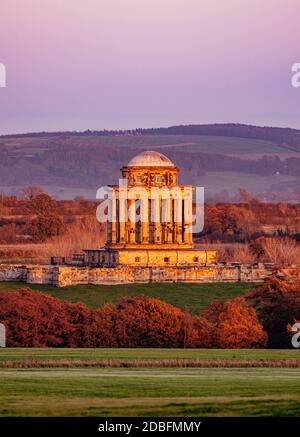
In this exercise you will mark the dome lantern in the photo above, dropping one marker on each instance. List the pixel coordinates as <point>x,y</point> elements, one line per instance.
<point>150,168</point>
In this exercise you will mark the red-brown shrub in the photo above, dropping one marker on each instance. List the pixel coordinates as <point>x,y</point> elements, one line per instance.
<point>147,322</point>
<point>101,332</point>
<point>235,325</point>
<point>277,285</point>
<point>276,317</point>
<point>201,334</point>
<point>34,319</point>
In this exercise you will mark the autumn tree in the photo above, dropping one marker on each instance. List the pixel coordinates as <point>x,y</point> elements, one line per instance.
<point>278,316</point>
<point>147,322</point>
<point>256,246</point>
<point>29,193</point>
<point>230,222</point>
<point>34,319</point>
<point>277,303</point>
<point>235,324</point>
<point>275,286</point>
<point>45,226</point>
<point>47,221</point>
<point>201,334</point>
<point>43,204</point>
<point>101,332</point>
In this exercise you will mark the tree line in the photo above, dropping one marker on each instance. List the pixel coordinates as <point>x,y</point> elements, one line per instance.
<point>261,318</point>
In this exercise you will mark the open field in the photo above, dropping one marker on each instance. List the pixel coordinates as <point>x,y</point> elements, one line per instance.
<point>58,160</point>
<point>195,297</point>
<point>233,181</point>
<point>71,358</point>
<point>214,144</point>
<point>150,392</point>
<point>211,144</point>
<point>149,353</point>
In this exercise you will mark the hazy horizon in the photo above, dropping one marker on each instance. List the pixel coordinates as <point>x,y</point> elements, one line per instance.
<point>125,64</point>
<point>143,127</point>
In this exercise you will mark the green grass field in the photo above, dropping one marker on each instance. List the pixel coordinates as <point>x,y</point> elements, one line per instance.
<point>150,392</point>
<point>147,391</point>
<point>183,295</point>
<point>12,354</point>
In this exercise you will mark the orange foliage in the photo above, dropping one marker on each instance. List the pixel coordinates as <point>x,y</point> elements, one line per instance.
<point>235,325</point>
<point>34,319</point>
<point>147,322</point>
<point>202,333</point>
<point>273,287</point>
<point>101,330</point>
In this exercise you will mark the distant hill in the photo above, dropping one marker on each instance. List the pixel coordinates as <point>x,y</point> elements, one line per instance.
<point>288,137</point>
<point>222,157</point>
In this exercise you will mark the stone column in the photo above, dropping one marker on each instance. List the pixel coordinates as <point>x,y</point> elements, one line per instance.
<point>131,218</point>
<point>122,213</point>
<point>113,218</point>
<point>178,220</point>
<point>151,222</point>
<point>169,223</point>
<point>188,215</point>
<point>165,214</point>
<point>156,217</point>
<point>145,219</point>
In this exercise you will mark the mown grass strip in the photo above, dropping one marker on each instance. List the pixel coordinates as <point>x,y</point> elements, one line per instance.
<point>167,363</point>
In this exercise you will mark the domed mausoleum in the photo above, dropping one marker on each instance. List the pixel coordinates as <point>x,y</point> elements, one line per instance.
<point>150,218</point>
<point>150,158</point>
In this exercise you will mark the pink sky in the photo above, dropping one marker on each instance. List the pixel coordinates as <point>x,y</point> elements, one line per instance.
<point>80,64</point>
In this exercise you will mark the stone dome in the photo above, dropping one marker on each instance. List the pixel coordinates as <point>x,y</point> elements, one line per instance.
<point>150,158</point>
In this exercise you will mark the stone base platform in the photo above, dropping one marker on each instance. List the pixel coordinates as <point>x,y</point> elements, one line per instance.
<point>63,276</point>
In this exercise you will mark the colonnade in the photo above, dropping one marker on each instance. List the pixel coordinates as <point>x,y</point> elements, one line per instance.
<point>151,218</point>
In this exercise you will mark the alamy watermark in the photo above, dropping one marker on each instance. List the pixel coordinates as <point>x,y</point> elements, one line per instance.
<point>296,75</point>
<point>152,205</point>
<point>2,76</point>
<point>296,337</point>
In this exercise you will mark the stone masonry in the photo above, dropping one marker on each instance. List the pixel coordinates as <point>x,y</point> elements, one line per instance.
<point>63,276</point>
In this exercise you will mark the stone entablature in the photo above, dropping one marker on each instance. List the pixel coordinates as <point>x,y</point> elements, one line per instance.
<point>150,176</point>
